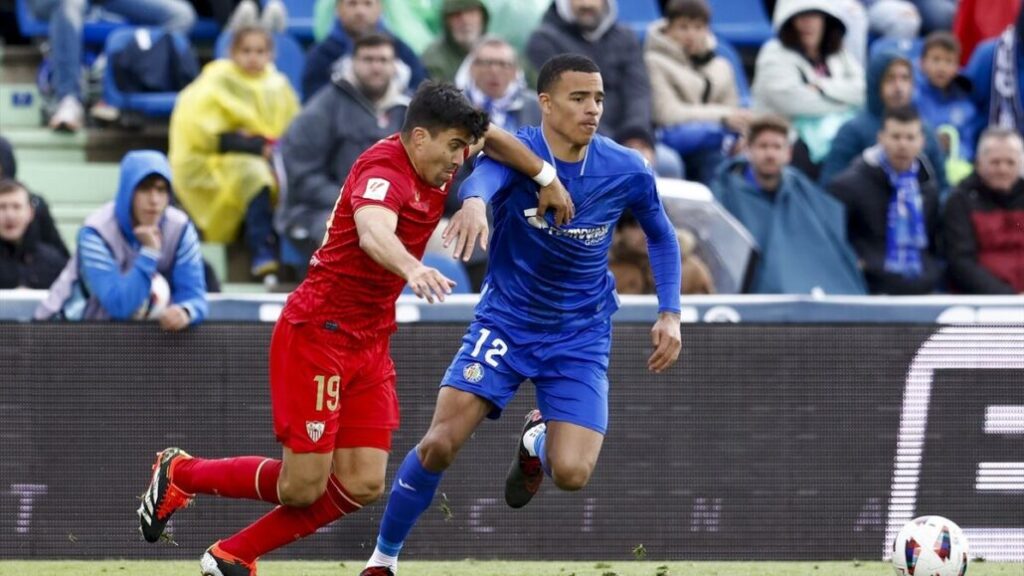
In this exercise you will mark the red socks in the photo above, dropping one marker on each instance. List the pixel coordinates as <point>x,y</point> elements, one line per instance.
<point>248,477</point>
<point>284,525</point>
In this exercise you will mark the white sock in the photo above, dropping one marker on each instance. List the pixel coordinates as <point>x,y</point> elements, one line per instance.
<point>381,559</point>
<point>530,438</point>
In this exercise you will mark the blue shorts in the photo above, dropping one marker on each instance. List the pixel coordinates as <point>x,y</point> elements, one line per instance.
<point>569,370</point>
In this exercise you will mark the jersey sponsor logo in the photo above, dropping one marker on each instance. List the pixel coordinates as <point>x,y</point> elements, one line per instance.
<point>473,372</point>
<point>589,236</point>
<point>376,189</point>
<point>315,429</point>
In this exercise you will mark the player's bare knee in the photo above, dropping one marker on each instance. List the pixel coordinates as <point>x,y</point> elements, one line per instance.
<point>299,494</point>
<point>365,490</point>
<point>571,477</point>
<point>437,451</point>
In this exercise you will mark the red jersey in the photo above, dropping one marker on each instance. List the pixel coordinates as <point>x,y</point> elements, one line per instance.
<point>344,285</point>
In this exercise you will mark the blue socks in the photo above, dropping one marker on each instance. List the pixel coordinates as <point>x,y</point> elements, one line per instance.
<point>411,495</point>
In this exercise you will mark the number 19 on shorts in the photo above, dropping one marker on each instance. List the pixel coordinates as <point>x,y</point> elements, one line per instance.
<point>497,349</point>
<point>332,386</point>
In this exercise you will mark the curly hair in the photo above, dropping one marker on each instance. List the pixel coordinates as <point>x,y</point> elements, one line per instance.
<point>439,106</point>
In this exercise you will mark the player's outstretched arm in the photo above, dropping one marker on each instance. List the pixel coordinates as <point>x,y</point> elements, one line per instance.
<point>376,228</point>
<point>508,150</point>
<point>666,264</point>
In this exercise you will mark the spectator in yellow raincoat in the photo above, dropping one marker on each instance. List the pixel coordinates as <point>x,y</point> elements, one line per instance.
<point>223,132</point>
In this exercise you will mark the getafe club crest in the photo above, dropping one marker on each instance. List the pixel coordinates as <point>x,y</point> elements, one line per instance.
<point>315,430</point>
<point>473,372</point>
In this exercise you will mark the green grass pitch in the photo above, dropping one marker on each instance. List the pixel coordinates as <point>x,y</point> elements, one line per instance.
<point>482,568</point>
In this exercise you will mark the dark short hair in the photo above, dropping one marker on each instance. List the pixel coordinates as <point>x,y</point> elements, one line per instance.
<point>440,106</point>
<point>831,40</point>
<point>553,69</point>
<point>372,40</point>
<point>238,35</point>
<point>691,9</point>
<point>9,185</point>
<point>767,123</point>
<point>942,40</point>
<point>902,114</point>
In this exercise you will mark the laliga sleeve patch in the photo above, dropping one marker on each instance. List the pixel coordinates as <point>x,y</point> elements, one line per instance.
<point>376,189</point>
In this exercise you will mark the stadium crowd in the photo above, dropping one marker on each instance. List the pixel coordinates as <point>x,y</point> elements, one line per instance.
<point>876,150</point>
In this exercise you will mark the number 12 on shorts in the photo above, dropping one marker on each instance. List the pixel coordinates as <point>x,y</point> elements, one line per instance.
<point>496,351</point>
<point>333,389</point>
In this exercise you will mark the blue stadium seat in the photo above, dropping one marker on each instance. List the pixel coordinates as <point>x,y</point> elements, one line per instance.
<point>637,14</point>
<point>289,57</point>
<point>300,19</point>
<point>151,104</point>
<point>95,32</point>
<point>744,23</point>
<point>728,51</point>
<point>451,268</point>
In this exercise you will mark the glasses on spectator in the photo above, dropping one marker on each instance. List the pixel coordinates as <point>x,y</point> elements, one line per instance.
<point>494,63</point>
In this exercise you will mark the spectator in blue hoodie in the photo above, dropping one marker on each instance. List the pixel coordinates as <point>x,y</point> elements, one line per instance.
<point>890,85</point>
<point>944,97</point>
<point>355,18</point>
<point>124,245</point>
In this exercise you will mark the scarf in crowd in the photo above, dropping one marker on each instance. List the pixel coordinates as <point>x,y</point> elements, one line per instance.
<point>496,108</point>
<point>1005,107</point>
<point>905,237</point>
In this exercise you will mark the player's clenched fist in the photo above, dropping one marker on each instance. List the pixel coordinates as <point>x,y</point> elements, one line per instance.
<point>427,282</point>
<point>667,342</point>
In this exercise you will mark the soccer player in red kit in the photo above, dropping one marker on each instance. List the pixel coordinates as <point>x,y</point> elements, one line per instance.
<point>332,380</point>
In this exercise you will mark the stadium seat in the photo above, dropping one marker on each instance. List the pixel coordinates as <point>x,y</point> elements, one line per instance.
<point>289,57</point>
<point>744,23</point>
<point>151,104</point>
<point>451,268</point>
<point>728,51</point>
<point>95,32</point>
<point>300,19</point>
<point>637,14</point>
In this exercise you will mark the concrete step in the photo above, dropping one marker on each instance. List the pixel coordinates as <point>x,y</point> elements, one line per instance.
<point>60,156</point>
<point>43,139</point>
<point>71,184</point>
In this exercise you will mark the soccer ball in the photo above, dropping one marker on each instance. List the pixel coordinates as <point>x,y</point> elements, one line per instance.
<point>159,298</point>
<point>930,546</point>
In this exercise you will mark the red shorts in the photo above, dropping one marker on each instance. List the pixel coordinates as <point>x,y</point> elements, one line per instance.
<point>327,394</point>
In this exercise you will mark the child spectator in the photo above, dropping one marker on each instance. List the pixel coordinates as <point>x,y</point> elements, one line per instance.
<point>122,248</point>
<point>944,97</point>
<point>222,136</point>
<point>693,90</point>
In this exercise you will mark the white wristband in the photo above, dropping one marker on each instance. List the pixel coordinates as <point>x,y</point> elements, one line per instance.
<point>546,175</point>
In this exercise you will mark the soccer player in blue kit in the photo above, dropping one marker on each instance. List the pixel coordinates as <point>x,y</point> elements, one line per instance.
<point>544,314</point>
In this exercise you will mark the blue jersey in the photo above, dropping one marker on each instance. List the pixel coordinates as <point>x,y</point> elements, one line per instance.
<point>543,278</point>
